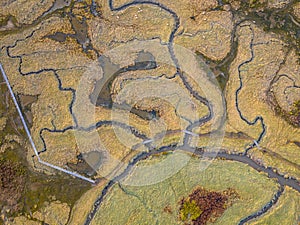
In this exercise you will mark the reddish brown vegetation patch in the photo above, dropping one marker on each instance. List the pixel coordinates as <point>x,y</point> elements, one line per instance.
<point>12,181</point>
<point>210,204</point>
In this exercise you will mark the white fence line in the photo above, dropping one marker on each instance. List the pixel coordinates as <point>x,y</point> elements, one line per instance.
<point>19,111</point>
<point>30,138</point>
<point>33,145</point>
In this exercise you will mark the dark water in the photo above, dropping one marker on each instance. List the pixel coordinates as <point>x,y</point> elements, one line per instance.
<point>101,95</point>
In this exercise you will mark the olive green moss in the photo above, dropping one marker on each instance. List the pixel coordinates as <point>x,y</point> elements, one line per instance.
<point>41,189</point>
<point>190,210</point>
<point>256,4</point>
<point>3,20</point>
<point>296,109</point>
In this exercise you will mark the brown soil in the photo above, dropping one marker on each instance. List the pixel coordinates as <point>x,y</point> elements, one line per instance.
<point>168,209</point>
<point>12,181</point>
<point>212,204</point>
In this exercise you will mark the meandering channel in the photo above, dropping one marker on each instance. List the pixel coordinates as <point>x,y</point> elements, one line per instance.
<point>243,158</point>
<point>222,155</point>
<point>258,118</point>
<point>239,158</point>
